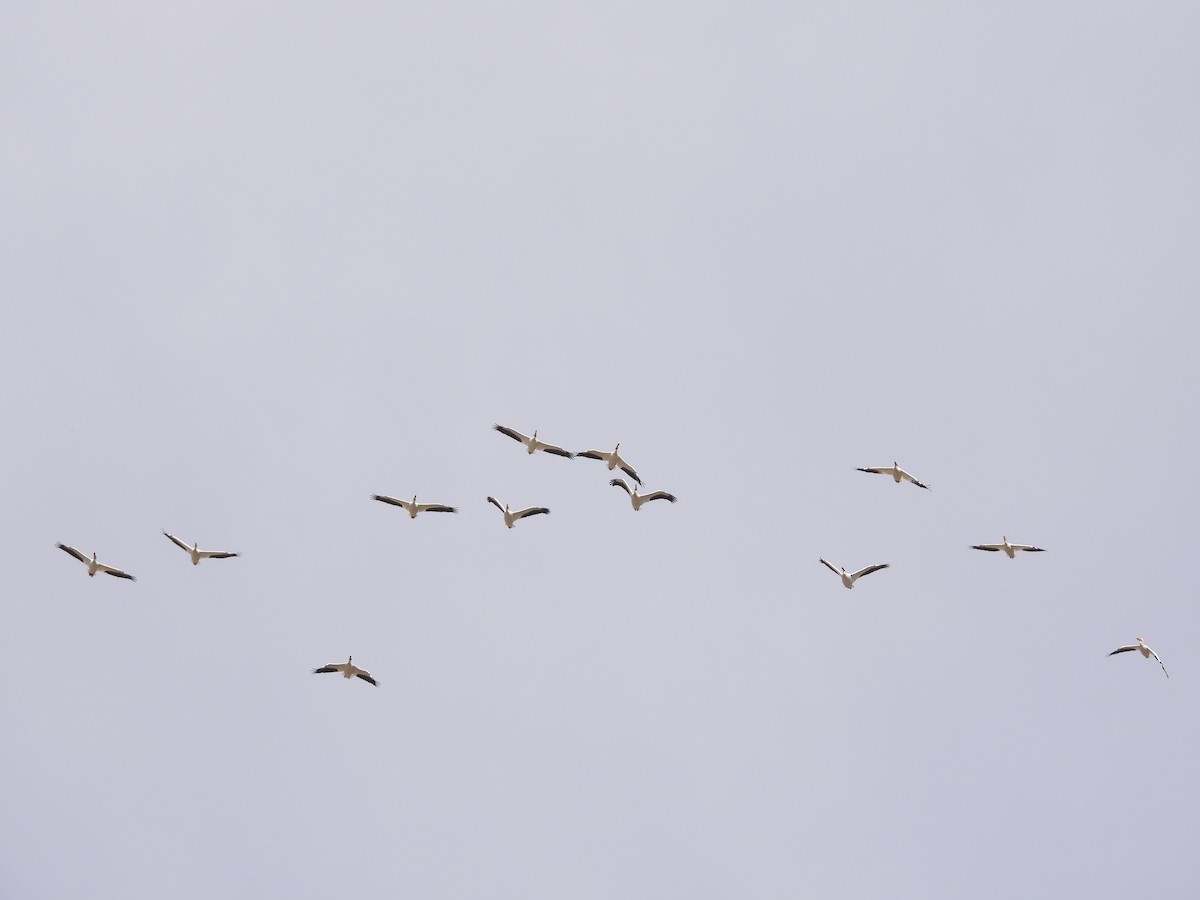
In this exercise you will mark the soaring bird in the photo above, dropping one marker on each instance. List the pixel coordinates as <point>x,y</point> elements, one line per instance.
<point>848,578</point>
<point>414,507</point>
<point>196,553</point>
<point>1010,549</point>
<point>532,443</point>
<point>897,473</point>
<point>1146,652</point>
<point>639,499</point>
<point>348,670</point>
<point>510,517</point>
<point>613,460</point>
<point>93,566</point>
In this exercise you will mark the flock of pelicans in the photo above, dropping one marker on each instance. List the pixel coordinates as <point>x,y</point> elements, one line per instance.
<point>613,461</point>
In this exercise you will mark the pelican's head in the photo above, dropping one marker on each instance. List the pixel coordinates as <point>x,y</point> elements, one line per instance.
<point>350,660</point>
<point>414,498</point>
<point>535,434</point>
<point>1140,641</point>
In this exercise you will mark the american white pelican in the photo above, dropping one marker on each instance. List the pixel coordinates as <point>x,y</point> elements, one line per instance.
<point>348,670</point>
<point>897,473</point>
<point>511,517</point>
<point>637,499</point>
<point>1146,652</point>
<point>533,443</point>
<point>613,460</point>
<point>1010,549</point>
<point>196,553</point>
<point>414,507</point>
<point>848,578</point>
<point>93,566</point>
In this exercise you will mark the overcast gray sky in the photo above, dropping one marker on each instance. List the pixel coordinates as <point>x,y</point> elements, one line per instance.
<point>262,260</point>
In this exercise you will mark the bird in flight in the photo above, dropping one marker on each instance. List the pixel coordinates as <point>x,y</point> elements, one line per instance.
<point>93,566</point>
<point>510,518</point>
<point>1010,549</point>
<point>848,578</point>
<point>348,670</point>
<point>1146,652</point>
<point>196,553</point>
<point>414,507</point>
<point>532,443</point>
<point>897,474</point>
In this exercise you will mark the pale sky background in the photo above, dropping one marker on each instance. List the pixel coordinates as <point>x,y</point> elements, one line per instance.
<point>263,260</point>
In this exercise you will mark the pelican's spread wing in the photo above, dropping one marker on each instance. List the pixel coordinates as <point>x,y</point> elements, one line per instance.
<point>594,454</point>
<point>878,470</point>
<point>1125,649</point>
<point>331,667</point>
<point>620,482</point>
<point>512,433</point>
<point>1028,548</point>
<point>868,570</point>
<point>495,503</point>
<point>557,451</point>
<point>531,511</point>
<point>1159,661</point>
<point>435,507</point>
<point>917,483</point>
<point>215,554</point>
<point>832,568</point>
<point>75,553</point>
<point>989,547</point>
<point>628,470</point>
<point>178,543</point>
<point>366,676</point>
<point>394,501</point>
<point>109,570</point>
<point>659,495</point>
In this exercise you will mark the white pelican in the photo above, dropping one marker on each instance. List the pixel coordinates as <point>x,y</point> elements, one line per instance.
<point>1146,652</point>
<point>533,443</point>
<point>614,461</point>
<point>848,578</point>
<point>196,553</point>
<point>93,566</point>
<point>897,473</point>
<point>348,670</point>
<point>637,499</point>
<point>1010,549</point>
<point>511,517</point>
<point>414,507</point>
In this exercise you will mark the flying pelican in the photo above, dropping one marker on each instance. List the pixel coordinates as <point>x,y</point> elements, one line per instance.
<point>198,554</point>
<point>644,498</point>
<point>614,461</point>
<point>1144,650</point>
<point>848,578</point>
<point>897,473</point>
<point>93,566</point>
<point>348,670</point>
<point>414,507</point>
<point>1010,549</point>
<point>533,443</point>
<point>511,517</point>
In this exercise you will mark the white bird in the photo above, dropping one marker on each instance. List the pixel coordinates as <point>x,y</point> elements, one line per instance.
<point>348,670</point>
<point>639,499</point>
<point>1010,549</point>
<point>196,553</point>
<point>414,507</point>
<point>532,443</point>
<point>93,566</point>
<point>848,578</point>
<point>1146,652</point>
<point>511,517</point>
<point>897,473</point>
<point>613,460</point>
